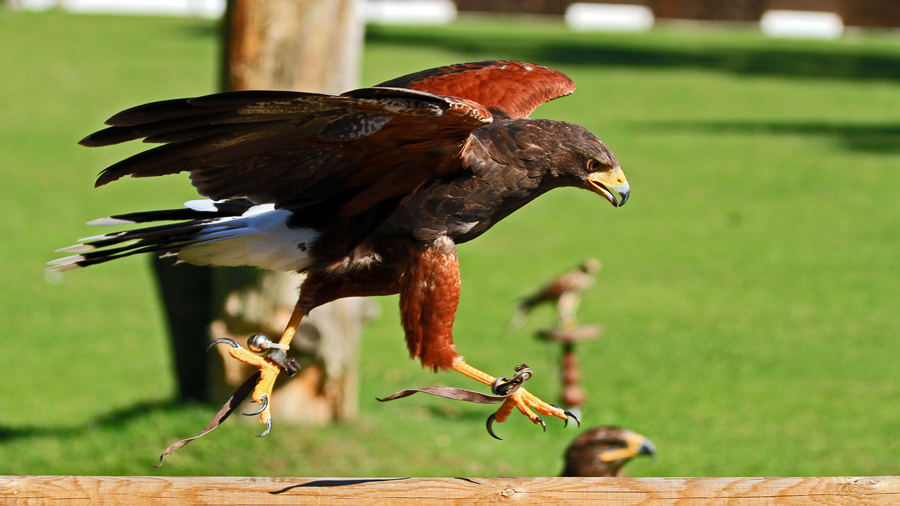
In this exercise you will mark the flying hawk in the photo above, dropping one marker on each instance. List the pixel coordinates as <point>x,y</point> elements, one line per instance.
<point>367,192</point>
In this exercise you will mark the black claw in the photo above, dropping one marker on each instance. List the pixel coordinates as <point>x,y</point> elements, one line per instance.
<point>541,421</point>
<point>572,415</point>
<point>263,405</point>
<point>490,422</point>
<point>226,340</point>
<point>268,428</point>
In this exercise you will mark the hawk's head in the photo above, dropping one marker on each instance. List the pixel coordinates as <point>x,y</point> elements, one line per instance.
<point>602,451</point>
<point>581,159</point>
<point>598,169</point>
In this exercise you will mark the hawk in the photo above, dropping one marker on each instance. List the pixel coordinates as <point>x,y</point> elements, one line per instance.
<point>367,192</point>
<point>604,451</point>
<point>564,291</point>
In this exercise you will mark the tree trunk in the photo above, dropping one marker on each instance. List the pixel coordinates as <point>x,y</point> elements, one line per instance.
<point>302,45</point>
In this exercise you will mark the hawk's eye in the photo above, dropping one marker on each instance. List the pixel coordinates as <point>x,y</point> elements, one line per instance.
<point>594,165</point>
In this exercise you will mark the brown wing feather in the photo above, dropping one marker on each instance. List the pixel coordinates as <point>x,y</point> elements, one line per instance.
<point>290,147</point>
<point>509,89</point>
<point>284,147</point>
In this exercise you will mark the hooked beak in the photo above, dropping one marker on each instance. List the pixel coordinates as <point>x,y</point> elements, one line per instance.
<point>609,187</point>
<point>647,448</point>
<point>637,445</point>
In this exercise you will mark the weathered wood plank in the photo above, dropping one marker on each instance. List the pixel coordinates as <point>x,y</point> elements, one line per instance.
<point>164,491</point>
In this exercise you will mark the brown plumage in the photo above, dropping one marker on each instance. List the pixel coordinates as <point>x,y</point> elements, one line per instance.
<point>604,451</point>
<point>367,192</point>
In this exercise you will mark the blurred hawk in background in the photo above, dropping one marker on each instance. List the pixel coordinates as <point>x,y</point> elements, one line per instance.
<point>604,451</point>
<point>564,291</point>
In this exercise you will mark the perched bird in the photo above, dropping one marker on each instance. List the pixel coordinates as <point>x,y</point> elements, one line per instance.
<point>604,451</point>
<point>367,192</point>
<point>564,291</point>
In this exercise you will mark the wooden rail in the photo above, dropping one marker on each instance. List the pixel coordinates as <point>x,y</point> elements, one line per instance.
<point>146,491</point>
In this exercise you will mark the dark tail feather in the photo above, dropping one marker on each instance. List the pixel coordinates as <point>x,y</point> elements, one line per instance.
<point>156,239</point>
<point>165,238</point>
<point>220,209</point>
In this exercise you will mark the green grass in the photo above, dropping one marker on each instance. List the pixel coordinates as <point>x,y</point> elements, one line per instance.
<point>749,290</point>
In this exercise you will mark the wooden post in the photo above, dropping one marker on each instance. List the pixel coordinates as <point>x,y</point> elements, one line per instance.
<point>302,45</point>
<point>571,396</point>
<point>188,491</point>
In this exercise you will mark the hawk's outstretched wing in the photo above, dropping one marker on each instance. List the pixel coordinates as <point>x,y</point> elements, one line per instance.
<point>297,149</point>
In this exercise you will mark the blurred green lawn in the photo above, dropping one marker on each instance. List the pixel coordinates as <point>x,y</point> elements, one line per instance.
<point>749,292</point>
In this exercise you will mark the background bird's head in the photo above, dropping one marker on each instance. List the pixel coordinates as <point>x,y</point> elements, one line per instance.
<point>603,451</point>
<point>590,266</point>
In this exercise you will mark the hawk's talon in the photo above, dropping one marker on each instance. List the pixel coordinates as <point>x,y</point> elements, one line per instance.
<point>272,361</point>
<point>517,397</point>
<point>225,340</point>
<point>490,422</point>
<point>270,365</point>
<point>568,414</point>
<point>268,428</point>
<point>264,403</point>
